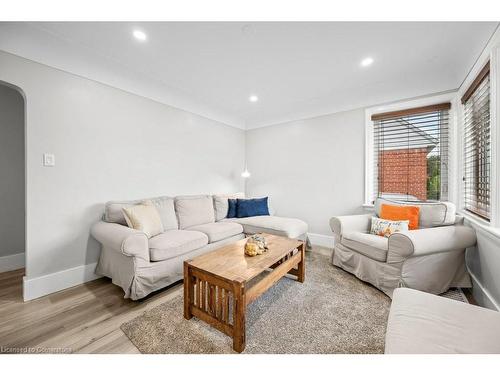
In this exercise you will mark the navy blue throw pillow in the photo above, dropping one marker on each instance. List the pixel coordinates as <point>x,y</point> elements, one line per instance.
<point>231,212</point>
<point>252,207</point>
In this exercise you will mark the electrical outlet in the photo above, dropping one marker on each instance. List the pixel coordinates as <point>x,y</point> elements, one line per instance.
<point>49,160</point>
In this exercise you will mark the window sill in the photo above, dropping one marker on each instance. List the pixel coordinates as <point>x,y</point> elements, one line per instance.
<point>482,225</point>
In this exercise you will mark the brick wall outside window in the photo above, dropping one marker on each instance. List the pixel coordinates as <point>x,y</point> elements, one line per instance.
<point>404,172</point>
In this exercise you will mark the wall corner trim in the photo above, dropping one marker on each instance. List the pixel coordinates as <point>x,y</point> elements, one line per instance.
<point>12,262</point>
<point>481,294</point>
<point>41,286</point>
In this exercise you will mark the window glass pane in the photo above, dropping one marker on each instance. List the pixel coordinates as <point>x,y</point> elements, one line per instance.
<point>411,156</point>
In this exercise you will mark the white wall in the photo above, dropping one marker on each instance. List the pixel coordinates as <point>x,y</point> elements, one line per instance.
<point>312,169</point>
<point>109,144</point>
<point>11,173</point>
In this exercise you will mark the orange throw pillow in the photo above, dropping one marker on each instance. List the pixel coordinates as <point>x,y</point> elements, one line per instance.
<point>389,212</point>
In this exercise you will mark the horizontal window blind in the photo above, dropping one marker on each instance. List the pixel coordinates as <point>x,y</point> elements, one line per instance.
<point>477,147</point>
<point>411,153</point>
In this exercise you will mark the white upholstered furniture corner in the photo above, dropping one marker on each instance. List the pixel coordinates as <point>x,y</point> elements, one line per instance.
<point>430,259</point>
<point>421,323</point>
<point>193,225</point>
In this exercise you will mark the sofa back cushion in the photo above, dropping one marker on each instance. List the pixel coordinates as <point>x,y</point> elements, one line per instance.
<point>431,214</point>
<point>113,212</point>
<point>194,210</point>
<point>221,204</point>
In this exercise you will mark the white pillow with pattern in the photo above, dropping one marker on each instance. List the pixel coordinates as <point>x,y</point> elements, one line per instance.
<point>384,228</point>
<point>144,217</point>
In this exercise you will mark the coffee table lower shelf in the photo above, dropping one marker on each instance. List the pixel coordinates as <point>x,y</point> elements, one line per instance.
<point>222,303</point>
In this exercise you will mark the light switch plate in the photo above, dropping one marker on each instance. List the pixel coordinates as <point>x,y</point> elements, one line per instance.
<point>49,160</point>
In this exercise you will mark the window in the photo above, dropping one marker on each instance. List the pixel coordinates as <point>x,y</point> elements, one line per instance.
<point>477,147</point>
<point>411,153</point>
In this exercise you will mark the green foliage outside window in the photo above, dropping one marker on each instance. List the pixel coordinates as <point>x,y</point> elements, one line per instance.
<point>433,177</point>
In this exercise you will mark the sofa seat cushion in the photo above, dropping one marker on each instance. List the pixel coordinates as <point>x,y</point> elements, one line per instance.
<point>173,243</point>
<point>218,231</point>
<point>422,323</point>
<point>280,226</point>
<point>370,245</point>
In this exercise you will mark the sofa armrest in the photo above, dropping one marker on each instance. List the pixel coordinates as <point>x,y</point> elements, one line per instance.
<point>350,223</point>
<point>128,241</point>
<point>428,241</point>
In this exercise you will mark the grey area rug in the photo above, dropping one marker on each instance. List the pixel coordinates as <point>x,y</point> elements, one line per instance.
<point>332,312</point>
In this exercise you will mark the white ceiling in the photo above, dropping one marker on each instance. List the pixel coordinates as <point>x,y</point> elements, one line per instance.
<point>298,70</point>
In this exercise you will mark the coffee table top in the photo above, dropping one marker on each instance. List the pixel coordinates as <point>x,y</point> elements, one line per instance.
<point>231,263</point>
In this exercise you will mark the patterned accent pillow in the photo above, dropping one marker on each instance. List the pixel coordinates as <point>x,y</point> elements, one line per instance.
<point>144,217</point>
<point>384,228</point>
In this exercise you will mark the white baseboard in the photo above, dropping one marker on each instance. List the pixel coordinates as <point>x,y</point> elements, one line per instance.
<point>481,294</point>
<point>41,286</point>
<point>320,240</point>
<point>12,262</point>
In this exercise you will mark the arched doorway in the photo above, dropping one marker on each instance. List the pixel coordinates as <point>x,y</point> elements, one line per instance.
<point>12,183</point>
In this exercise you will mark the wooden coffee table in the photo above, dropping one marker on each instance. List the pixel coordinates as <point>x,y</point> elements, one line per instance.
<point>218,287</point>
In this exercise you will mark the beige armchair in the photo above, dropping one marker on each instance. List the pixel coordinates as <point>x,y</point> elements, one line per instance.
<point>430,259</point>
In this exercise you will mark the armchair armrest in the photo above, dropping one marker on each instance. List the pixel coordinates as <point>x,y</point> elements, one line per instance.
<point>128,241</point>
<point>350,223</point>
<point>428,241</point>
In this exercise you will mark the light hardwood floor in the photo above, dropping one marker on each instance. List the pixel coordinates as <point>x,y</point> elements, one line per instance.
<point>82,319</point>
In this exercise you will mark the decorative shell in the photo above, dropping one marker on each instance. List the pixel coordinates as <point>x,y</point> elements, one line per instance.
<point>260,241</point>
<point>255,245</point>
<point>251,249</point>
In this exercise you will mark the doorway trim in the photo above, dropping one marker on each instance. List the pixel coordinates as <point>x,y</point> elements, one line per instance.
<point>18,260</point>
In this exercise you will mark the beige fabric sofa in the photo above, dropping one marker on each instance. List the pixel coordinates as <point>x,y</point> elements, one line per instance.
<point>431,259</point>
<point>422,323</point>
<point>193,225</point>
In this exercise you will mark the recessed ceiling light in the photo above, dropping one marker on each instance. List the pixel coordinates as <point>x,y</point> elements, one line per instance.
<point>253,98</point>
<point>367,61</point>
<point>140,35</point>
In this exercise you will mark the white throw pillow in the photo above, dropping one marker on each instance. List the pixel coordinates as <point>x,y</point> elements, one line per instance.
<point>383,227</point>
<point>144,217</point>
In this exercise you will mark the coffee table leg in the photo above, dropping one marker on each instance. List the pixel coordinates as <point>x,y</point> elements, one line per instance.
<point>302,264</point>
<point>188,292</point>
<point>239,310</point>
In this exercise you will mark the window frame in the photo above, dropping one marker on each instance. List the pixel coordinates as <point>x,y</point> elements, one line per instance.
<point>399,106</point>
<point>471,90</point>
<point>494,222</point>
